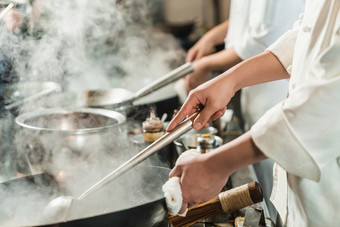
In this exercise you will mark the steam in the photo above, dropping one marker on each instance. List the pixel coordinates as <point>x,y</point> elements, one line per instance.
<point>84,44</point>
<point>87,44</point>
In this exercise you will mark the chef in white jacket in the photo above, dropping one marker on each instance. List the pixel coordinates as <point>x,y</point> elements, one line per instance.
<point>300,134</point>
<point>253,25</point>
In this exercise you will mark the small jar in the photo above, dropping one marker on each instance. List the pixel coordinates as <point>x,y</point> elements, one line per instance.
<point>206,143</point>
<point>153,128</point>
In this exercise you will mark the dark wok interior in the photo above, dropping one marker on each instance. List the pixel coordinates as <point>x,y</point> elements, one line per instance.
<point>70,121</point>
<point>134,199</point>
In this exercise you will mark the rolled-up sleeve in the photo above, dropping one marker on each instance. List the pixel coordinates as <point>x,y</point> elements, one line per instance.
<point>301,133</point>
<point>283,48</point>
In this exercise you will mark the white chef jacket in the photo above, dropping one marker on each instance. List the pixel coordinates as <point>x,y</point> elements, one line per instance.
<point>302,133</point>
<point>253,26</point>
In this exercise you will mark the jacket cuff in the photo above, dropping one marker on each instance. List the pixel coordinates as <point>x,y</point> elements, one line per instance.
<point>273,135</point>
<point>283,48</point>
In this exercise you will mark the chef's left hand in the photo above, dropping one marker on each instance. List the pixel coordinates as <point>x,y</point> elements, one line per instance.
<point>200,179</point>
<point>199,76</point>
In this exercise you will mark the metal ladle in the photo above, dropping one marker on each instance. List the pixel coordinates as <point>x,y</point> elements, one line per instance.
<point>117,97</point>
<point>59,207</point>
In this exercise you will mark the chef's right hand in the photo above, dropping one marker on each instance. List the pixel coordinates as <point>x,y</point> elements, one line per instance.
<point>213,96</point>
<point>202,48</point>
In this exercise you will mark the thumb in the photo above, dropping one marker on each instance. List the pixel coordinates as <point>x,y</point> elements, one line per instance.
<point>175,172</point>
<point>183,209</point>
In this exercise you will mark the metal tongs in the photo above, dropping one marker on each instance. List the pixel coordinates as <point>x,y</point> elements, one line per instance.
<point>60,205</point>
<point>166,139</point>
<point>118,97</point>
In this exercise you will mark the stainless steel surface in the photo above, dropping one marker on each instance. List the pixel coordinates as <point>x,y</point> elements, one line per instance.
<point>190,140</point>
<point>47,136</point>
<point>206,143</point>
<point>117,97</point>
<point>82,120</point>
<point>209,130</point>
<point>166,139</point>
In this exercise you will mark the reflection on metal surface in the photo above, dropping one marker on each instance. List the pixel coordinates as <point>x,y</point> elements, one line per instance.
<point>77,120</point>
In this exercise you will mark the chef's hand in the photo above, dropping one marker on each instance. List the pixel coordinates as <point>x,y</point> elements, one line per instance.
<point>13,20</point>
<point>202,48</point>
<point>200,179</point>
<point>213,96</point>
<point>199,76</point>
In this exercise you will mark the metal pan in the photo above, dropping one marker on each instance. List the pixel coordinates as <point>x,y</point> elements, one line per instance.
<point>135,199</point>
<point>117,97</point>
<point>77,134</point>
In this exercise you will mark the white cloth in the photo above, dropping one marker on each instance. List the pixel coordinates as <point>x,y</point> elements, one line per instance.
<point>173,195</point>
<point>172,188</point>
<point>253,26</point>
<point>301,133</point>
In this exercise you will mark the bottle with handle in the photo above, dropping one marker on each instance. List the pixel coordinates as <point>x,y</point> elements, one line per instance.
<point>226,202</point>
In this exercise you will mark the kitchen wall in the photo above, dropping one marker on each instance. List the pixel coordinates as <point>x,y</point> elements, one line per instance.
<point>205,13</point>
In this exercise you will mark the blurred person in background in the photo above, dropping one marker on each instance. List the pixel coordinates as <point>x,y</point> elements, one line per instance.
<point>12,21</point>
<point>22,20</point>
<point>252,26</point>
<point>299,134</point>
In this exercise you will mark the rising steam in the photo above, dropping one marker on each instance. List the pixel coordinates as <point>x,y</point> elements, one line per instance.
<point>85,44</point>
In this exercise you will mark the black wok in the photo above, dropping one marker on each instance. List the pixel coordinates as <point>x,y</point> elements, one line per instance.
<point>134,199</point>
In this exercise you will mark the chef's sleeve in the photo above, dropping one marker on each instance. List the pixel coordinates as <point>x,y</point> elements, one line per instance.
<point>301,133</point>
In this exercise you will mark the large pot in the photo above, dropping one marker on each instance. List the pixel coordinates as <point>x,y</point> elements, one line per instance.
<point>14,98</point>
<point>51,138</point>
<point>134,199</point>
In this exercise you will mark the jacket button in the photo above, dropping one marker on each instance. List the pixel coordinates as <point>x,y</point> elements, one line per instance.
<point>306,29</point>
<point>289,69</point>
<point>293,85</point>
<point>338,160</point>
<point>338,32</point>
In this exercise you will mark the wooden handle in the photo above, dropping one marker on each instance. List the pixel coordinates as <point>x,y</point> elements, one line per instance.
<point>228,201</point>
<point>240,197</point>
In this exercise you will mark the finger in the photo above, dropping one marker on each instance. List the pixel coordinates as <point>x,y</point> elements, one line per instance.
<point>199,55</point>
<point>188,108</point>
<point>206,125</point>
<point>191,55</point>
<point>190,205</point>
<point>217,115</point>
<point>204,116</point>
<point>183,208</point>
<point>175,172</point>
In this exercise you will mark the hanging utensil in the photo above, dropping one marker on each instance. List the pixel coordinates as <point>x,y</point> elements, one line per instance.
<point>6,10</point>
